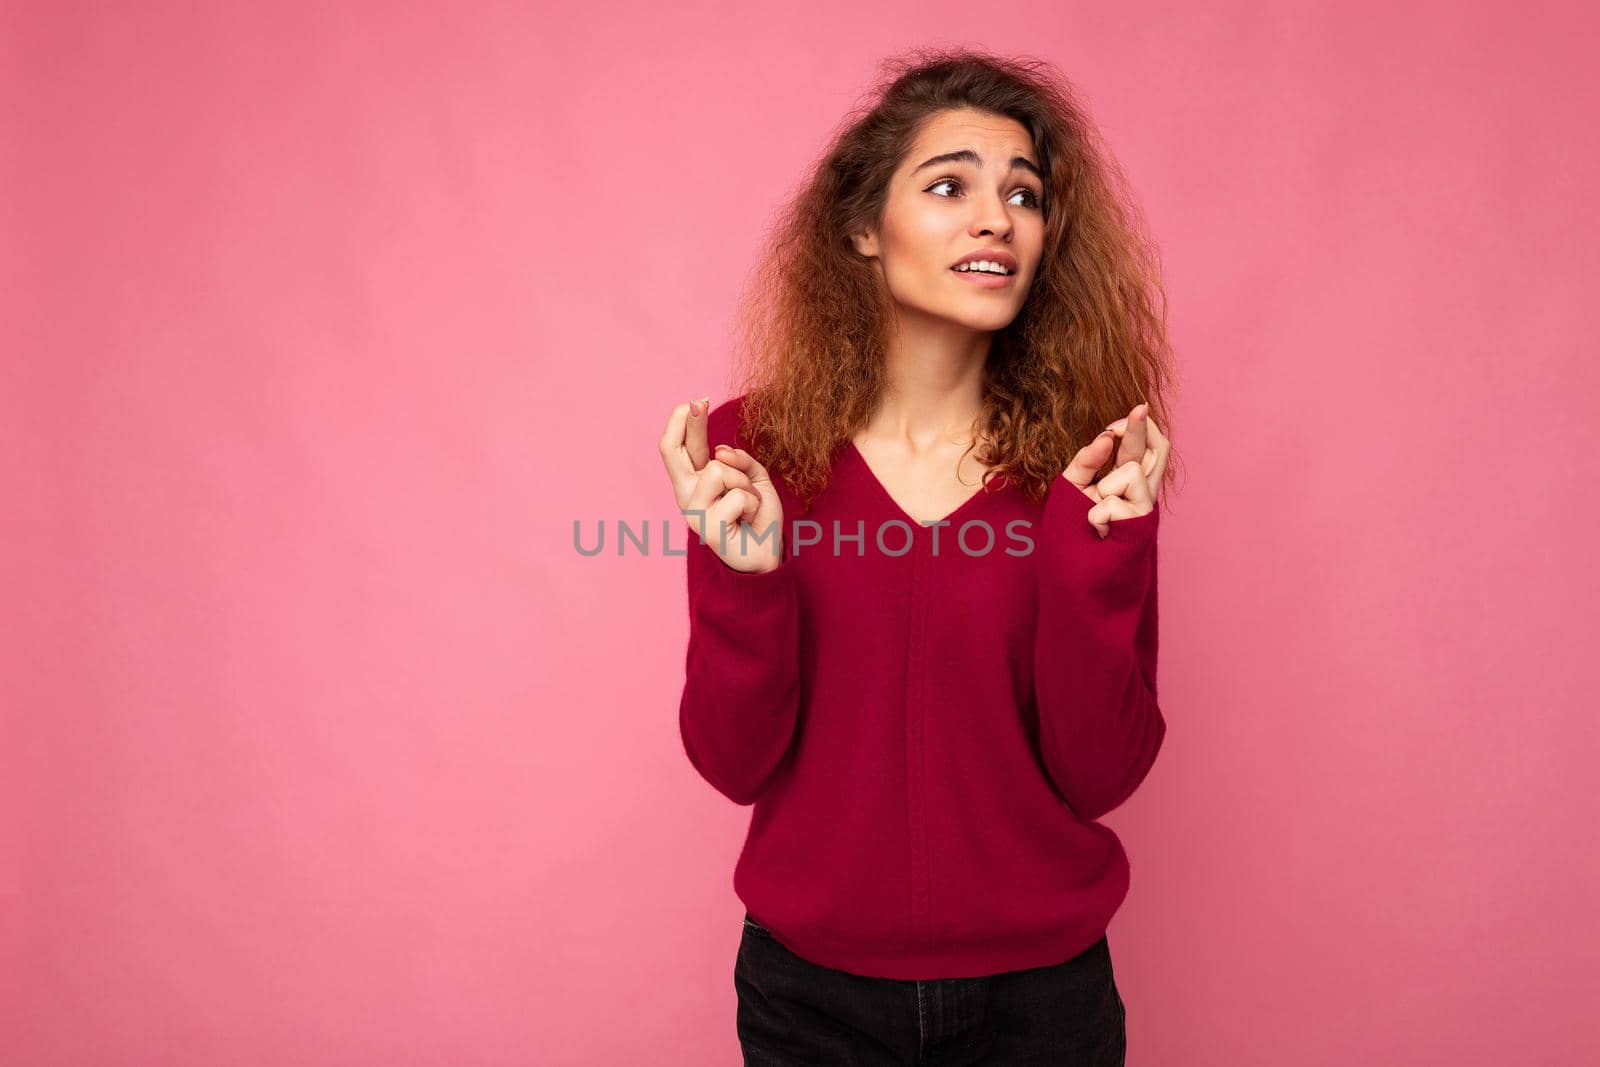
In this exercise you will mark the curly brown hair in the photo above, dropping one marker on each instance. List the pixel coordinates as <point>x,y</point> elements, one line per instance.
<point>1088,344</point>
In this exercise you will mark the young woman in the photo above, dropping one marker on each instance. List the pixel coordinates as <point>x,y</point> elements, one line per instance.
<point>922,586</point>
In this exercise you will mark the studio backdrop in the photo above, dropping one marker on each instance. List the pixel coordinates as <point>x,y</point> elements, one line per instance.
<point>325,327</point>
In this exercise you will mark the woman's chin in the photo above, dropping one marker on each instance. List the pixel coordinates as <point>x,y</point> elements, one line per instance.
<point>982,320</point>
<point>977,315</point>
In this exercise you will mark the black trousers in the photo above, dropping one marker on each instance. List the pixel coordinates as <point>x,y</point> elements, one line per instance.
<point>793,1011</point>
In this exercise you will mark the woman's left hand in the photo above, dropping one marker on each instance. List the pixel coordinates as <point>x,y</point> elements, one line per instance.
<point>1132,487</point>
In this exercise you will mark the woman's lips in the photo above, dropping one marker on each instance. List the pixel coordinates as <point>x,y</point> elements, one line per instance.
<point>984,280</point>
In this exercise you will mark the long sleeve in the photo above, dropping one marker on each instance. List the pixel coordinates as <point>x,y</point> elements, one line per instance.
<point>741,693</point>
<point>1095,645</point>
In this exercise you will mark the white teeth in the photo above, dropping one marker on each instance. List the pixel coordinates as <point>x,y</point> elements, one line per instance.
<point>985,265</point>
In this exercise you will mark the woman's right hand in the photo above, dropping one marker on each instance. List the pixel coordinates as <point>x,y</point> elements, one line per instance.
<point>728,498</point>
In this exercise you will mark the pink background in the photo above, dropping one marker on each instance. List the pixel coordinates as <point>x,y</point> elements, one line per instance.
<point>322,324</point>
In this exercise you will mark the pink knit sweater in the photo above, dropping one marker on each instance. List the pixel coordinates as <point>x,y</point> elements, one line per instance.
<point>928,721</point>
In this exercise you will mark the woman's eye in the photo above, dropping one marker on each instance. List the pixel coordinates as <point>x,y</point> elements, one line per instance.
<point>1032,201</point>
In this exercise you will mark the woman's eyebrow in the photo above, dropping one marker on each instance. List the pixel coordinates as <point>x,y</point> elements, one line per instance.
<point>967,155</point>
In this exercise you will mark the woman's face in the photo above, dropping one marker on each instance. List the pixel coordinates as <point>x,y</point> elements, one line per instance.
<point>984,194</point>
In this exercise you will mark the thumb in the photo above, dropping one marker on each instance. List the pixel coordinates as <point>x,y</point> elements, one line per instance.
<point>1089,459</point>
<point>738,457</point>
<point>770,507</point>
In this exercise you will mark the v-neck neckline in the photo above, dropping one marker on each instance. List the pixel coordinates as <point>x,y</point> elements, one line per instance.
<point>888,497</point>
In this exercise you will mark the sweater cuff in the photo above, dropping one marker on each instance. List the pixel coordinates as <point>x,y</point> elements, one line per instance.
<point>1137,531</point>
<point>745,591</point>
<point>1066,514</point>
<point>1112,569</point>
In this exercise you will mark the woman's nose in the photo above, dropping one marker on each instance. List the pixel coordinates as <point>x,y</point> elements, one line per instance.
<point>992,218</point>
